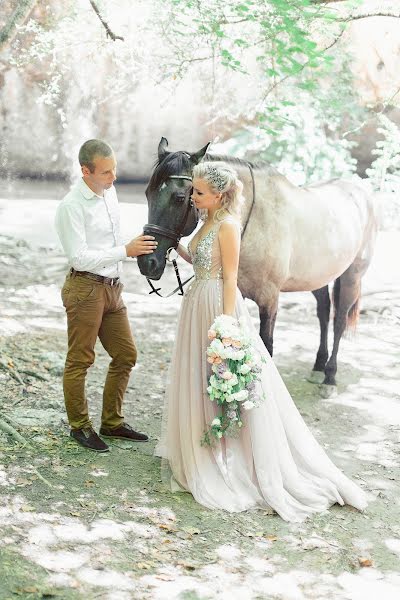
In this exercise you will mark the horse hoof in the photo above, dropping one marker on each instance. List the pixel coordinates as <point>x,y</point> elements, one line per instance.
<point>328,391</point>
<point>316,377</point>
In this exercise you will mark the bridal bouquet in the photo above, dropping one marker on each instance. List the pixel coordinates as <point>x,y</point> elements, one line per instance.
<point>236,366</point>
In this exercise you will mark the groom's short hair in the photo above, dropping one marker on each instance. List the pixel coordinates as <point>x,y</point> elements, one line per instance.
<point>92,148</point>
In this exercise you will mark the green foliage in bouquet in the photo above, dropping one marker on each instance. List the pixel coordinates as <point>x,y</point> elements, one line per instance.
<point>236,366</point>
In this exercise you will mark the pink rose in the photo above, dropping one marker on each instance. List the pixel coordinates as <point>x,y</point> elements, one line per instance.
<point>227,341</point>
<point>227,375</point>
<point>212,334</point>
<point>236,344</point>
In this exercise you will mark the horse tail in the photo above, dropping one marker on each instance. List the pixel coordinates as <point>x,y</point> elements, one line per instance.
<point>353,314</point>
<point>354,311</point>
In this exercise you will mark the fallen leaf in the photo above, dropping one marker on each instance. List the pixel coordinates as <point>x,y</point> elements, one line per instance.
<point>167,528</point>
<point>365,562</point>
<point>271,538</point>
<point>187,565</point>
<point>191,530</point>
<point>21,481</point>
<point>144,565</point>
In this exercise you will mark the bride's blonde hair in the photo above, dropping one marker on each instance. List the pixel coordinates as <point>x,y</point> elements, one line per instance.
<point>222,178</point>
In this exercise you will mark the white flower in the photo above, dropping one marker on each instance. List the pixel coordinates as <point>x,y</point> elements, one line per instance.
<point>219,434</point>
<point>244,369</point>
<point>215,347</point>
<point>233,380</point>
<point>213,381</point>
<point>248,405</point>
<point>238,355</point>
<point>210,389</point>
<point>216,422</point>
<point>240,396</point>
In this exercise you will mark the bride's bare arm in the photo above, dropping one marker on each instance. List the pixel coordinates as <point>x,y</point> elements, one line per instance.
<point>229,241</point>
<point>181,250</point>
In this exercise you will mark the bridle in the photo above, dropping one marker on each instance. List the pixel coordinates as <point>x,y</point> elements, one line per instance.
<point>176,236</point>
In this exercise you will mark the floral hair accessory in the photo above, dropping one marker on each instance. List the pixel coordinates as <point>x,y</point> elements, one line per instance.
<point>216,178</point>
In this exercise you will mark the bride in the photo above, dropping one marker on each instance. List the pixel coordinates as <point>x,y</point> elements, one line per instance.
<point>275,462</point>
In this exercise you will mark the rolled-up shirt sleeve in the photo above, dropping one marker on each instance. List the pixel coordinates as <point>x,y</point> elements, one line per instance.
<point>70,226</point>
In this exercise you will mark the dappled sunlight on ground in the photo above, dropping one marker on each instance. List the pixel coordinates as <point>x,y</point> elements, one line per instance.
<point>106,526</point>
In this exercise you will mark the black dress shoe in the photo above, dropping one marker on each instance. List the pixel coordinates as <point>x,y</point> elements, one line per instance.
<point>124,432</point>
<point>88,438</point>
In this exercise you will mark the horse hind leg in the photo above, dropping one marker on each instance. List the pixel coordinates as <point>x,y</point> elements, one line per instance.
<point>346,297</point>
<point>323,313</point>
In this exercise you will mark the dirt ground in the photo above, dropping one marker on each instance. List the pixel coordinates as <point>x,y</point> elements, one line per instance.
<point>74,524</point>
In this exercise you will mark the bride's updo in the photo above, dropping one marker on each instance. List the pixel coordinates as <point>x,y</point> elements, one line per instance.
<point>222,178</point>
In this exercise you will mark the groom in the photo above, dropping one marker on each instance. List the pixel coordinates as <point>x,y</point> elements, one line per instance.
<point>87,223</point>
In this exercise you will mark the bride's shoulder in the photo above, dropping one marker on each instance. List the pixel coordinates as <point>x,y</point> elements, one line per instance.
<point>229,223</point>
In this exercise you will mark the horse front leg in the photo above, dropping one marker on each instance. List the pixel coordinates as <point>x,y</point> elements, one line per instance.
<point>267,323</point>
<point>323,313</point>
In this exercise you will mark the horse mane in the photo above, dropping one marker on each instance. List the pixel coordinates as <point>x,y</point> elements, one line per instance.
<point>179,162</point>
<point>233,160</point>
<point>172,164</point>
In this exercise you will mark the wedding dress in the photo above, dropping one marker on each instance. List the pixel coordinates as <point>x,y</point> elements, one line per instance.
<point>275,462</point>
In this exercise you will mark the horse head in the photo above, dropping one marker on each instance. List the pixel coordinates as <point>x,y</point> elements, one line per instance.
<point>171,212</point>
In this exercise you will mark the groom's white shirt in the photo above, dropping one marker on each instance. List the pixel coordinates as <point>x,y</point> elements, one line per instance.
<point>88,226</point>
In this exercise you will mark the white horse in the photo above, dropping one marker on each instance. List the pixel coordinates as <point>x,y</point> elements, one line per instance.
<point>294,239</point>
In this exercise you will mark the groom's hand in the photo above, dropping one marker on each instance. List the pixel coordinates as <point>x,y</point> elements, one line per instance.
<point>143,244</point>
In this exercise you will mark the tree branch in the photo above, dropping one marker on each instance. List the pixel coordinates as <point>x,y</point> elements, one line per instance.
<point>376,114</point>
<point>379,14</point>
<point>105,25</point>
<point>18,18</point>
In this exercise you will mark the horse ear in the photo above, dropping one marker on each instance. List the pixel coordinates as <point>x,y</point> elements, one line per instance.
<point>197,156</point>
<point>162,148</point>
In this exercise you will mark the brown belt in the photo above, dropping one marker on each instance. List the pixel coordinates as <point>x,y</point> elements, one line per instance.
<point>88,275</point>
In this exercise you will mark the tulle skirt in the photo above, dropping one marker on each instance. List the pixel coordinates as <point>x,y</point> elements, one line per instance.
<point>275,462</point>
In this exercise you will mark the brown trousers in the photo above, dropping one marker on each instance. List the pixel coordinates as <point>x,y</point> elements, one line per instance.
<point>95,309</point>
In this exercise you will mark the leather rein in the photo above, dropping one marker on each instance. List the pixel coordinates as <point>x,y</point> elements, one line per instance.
<point>176,236</point>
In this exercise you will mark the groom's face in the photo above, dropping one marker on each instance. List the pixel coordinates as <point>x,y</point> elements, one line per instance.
<point>103,174</point>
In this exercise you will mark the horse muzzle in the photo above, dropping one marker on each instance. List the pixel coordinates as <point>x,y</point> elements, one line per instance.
<point>152,265</point>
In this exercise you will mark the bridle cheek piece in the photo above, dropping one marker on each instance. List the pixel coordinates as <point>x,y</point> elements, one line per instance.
<point>149,228</point>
